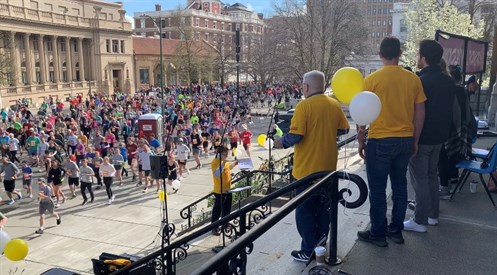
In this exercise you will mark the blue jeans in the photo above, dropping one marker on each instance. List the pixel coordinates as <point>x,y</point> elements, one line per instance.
<point>384,157</point>
<point>313,221</point>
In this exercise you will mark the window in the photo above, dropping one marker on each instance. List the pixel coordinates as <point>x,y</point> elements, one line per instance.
<point>197,36</point>
<point>62,46</point>
<point>237,27</point>
<point>206,36</point>
<point>64,76</point>
<point>49,45</point>
<point>214,25</point>
<point>75,46</point>
<point>122,46</point>
<point>182,36</point>
<point>51,76</point>
<point>107,45</point>
<point>144,76</point>
<point>163,23</point>
<point>197,22</point>
<point>24,77</point>
<point>385,11</point>
<point>38,77</point>
<point>222,26</point>
<point>206,23</point>
<point>115,46</point>
<point>35,44</point>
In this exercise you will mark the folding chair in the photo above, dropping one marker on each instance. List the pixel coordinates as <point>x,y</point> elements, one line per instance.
<point>487,166</point>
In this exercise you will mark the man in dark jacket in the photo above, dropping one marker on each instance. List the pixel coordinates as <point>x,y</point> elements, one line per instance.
<point>439,89</point>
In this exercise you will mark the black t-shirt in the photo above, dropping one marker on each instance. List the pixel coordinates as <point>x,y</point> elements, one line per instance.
<point>196,140</point>
<point>206,136</point>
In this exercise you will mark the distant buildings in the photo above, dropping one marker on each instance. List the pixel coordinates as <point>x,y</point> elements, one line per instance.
<point>63,48</point>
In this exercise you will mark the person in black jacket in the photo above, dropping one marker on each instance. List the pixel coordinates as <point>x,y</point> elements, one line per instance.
<point>439,89</point>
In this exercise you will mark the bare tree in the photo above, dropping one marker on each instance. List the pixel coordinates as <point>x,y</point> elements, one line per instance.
<point>322,34</point>
<point>188,53</point>
<point>7,68</point>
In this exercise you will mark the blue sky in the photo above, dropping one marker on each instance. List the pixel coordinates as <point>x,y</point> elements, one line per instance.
<point>132,6</point>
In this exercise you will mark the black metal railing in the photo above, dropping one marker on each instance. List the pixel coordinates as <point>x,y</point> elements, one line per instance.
<point>254,178</point>
<point>233,259</point>
<point>236,224</point>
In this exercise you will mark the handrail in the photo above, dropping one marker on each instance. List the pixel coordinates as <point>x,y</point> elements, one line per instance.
<point>177,250</point>
<point>244,244</point>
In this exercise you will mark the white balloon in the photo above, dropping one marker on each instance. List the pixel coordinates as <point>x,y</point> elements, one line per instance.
<point>4,239</point>
<point>365,108</point>
<point>176,184</point>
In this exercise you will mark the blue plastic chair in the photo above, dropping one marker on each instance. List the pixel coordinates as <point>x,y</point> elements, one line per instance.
<point>487,166</point>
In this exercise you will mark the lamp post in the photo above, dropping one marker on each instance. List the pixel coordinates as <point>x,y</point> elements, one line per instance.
<point>159,27</point>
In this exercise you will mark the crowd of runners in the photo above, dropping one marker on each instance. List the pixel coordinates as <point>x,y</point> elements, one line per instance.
<point>94,141</point>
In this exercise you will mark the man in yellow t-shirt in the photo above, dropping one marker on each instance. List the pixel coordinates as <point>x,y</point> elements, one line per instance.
<point>392,140</point>
<point>314,128</point>
<point>221,175</point>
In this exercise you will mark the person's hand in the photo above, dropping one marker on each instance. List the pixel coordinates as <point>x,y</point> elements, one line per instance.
<point>278,143</point>
<point>362,150</point>
<point>414,149</point>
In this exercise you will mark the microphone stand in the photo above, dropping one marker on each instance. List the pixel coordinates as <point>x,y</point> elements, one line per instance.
<point>269,136</point>
<point>218,155</point>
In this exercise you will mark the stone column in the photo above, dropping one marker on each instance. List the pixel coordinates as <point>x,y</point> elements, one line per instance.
<point>56,62</point>
<point>68,60</point>
<point>41,54</point>
<point>27,55</point>
<point>81,61</point>
<point>15,59</point>
<point>151,76</point>
<point>92,61</point>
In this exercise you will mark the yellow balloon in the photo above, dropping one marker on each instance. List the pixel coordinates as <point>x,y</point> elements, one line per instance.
<point>261,139</point>
<point>16,250</point>
<point>162,196</point>
<point>347,83</point>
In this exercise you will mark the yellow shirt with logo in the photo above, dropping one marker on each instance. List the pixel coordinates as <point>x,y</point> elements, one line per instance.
<point>217,179</point>
<point>399,90</point>
<point>317,119</point>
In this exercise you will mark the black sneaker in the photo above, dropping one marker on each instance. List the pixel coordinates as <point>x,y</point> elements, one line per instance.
<point>99,187</point>
<point>365,236</point>
<point>59,220</point>
<point>39,231</point>
<point>299,256</point>
<point>412,205</point>
<point>395,236</point>
<point>84,202</point>
<point>134,178</point>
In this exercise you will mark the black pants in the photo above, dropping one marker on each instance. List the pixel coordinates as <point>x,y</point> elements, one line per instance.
<point>108,183</point>
<point>124,171</point>
<point>96,170</point>
<point>84,187</point>
<point>13,156</point>
<point>446,168</point>
<point>222,204</point>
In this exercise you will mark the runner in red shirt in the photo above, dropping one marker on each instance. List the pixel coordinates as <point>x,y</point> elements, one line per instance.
<point>246,135</point>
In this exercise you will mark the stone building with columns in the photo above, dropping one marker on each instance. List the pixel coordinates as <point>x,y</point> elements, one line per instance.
<point>63,48</point>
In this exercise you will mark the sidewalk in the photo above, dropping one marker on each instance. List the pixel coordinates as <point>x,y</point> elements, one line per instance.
<point>130,225</point>
<point>465,241</point>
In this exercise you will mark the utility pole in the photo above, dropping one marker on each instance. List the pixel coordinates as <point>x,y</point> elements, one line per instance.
<point>159,27</point>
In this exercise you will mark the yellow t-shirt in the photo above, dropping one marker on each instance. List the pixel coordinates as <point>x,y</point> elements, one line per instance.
<point>399,90</point>
<point>217,179</point>
<point>317,118</point>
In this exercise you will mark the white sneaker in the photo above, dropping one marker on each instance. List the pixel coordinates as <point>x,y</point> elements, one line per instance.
<point>113,197</point>
<point>432,221</point>
<point>109,202</point>
<point>411,225</point>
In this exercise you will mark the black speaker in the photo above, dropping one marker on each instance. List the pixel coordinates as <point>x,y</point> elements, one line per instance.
<point>158,167</point>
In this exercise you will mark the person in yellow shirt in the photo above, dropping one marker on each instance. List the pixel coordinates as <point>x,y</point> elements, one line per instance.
<point>221,175</point>
<point>392,140</point>
<point>316,122</point>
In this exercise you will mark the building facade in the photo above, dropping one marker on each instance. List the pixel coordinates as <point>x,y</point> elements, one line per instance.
<point>210,21</point>
<point>62,48</point>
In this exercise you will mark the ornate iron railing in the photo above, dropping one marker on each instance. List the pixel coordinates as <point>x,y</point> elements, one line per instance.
<point>232,259</point>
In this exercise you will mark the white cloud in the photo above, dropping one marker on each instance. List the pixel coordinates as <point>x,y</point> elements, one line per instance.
<point>250,7</point>
<point>130,20</point>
